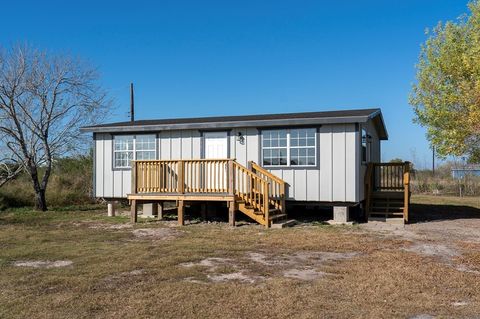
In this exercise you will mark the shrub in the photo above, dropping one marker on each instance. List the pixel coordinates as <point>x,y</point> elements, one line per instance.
<point>70,184</point>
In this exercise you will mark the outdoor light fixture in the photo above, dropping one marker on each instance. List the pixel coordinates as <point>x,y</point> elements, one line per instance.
<point>240,138</point>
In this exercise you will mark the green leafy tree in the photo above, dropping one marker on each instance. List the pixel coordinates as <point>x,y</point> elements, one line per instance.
<point>446,97</point>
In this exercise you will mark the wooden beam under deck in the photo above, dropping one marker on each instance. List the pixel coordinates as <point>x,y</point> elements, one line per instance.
<point>177,197</point>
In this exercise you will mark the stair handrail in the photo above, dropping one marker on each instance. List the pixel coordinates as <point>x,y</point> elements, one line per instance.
<point>406,190</point>
<point>277,186</point>
<point>251,188</point>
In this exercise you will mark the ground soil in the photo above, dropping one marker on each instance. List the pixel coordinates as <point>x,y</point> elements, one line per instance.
<point>84,264</point>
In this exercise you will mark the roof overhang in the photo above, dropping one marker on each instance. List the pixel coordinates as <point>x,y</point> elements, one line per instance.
<point>375,116</point>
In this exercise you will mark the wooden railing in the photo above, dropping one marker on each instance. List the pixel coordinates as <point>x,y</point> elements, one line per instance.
<point>277,186</point>
<point>180,176</point>
<point>388,177</point>
<point>209,176</point>
<point>251,188</point>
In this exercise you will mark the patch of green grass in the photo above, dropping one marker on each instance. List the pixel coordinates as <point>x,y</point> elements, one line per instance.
<point>446,200</point>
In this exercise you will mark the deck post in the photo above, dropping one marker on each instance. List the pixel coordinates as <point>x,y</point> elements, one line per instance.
<point>266,204</point>
<point>406,190</point>
<point>181,176</point>
<point>160,211</point>
<point>231,178</point>
<point>133,210</point>
<point>231,213</point>
<point>181,212</point>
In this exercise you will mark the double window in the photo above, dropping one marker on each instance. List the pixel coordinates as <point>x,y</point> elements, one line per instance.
<point>129,147</point>
<point>289,147</point>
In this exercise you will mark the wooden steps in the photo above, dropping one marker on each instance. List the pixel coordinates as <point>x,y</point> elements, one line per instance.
<point>386,204</point>
<point>387,191</point>
<point>275,215</point>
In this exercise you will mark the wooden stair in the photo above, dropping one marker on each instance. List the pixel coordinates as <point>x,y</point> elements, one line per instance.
<point>387,191</point>
<point>274,214</point>
<point>387,204</point>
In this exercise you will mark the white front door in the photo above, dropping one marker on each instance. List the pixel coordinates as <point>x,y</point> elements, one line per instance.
<point>216,145</point>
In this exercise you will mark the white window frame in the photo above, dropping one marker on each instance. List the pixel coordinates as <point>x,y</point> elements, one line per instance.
<point>289,165</point>
<point>134,149</point>
<point>154,150</point>
<point>275,147</point>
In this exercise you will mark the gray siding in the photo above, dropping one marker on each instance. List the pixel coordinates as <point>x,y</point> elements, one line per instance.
<point>337,177</point>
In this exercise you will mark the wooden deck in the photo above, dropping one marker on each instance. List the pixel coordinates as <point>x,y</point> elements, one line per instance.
<point>253,191</point>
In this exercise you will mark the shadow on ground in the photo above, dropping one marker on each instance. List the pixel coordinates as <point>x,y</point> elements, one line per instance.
<point>219,213</point>
<point>432,212</point>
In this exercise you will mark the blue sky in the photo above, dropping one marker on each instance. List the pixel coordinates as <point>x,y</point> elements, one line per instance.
<point>201,58</point>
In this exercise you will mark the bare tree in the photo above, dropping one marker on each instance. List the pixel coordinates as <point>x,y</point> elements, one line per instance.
<point>44,100</point>
<point>8,171</point>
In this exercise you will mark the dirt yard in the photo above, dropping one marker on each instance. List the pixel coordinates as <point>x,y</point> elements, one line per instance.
<point>81,264</point>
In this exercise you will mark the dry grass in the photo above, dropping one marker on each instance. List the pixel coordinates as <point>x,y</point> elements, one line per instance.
<point>214,271</point>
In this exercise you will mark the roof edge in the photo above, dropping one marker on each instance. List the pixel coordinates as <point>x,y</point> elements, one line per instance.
<point>229,124</point>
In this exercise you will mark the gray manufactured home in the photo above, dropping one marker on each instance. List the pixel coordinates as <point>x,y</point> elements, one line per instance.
<point>317,157</point>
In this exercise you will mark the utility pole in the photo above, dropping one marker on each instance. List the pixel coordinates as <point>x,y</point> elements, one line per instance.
<point>132,104</point>
<point>433,160</point>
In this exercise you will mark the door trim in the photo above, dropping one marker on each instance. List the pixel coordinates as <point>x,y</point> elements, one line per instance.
<point>202,142</point>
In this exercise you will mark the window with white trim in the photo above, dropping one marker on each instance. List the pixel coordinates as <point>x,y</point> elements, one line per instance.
<point>145,147</point>
<point>129,147</point>
<point>289,147</point>
<point>274,147</point>
<point>302,147</point>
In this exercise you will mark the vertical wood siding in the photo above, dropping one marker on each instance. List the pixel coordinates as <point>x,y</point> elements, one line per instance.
<point>336,179</point>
